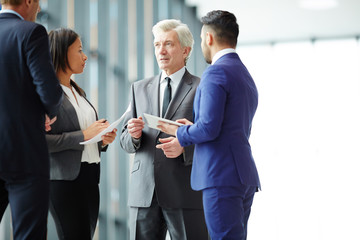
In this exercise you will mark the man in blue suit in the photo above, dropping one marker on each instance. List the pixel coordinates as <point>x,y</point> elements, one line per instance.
<point>29,89</point>
<point>224,106</point>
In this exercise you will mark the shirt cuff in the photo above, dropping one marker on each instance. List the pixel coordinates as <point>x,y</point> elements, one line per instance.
<point>136,141</point>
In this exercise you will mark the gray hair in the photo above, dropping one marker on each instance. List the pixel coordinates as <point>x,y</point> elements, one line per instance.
<point>185,37</point>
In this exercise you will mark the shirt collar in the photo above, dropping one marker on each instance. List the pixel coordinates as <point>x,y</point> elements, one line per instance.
<point>11,11</point>
<point>221,53</point>
<point>176,77</point>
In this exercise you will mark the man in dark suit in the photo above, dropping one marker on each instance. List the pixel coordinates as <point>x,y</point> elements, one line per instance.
<point>29,89</point>
<point>224,106</point>
<point>160,196</point>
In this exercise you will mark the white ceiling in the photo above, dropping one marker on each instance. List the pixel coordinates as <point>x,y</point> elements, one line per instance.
<point>262,21</point>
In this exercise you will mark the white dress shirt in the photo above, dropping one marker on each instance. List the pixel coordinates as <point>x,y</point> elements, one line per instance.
<point>175,80</point>
<point>86,116</point>
<point>221,53</point>
<point>11,11</point>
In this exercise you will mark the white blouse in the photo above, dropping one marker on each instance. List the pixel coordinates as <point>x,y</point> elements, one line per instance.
<point>86,116</point>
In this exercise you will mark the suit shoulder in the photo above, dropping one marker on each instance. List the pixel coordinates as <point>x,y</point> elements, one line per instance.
<point>29,27</point>
<point>215,70</point>
<point>194,79</point>
<point>146,81</point>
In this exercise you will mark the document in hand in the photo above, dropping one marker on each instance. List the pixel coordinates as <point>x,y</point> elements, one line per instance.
<point>97,138</point>
<point>153,121</point>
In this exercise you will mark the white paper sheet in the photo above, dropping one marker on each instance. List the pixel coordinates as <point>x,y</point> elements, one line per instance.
<point>152,121</point>
<point>97,138</point>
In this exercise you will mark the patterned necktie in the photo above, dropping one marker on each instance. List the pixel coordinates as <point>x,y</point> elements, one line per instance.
<point>167,96</point>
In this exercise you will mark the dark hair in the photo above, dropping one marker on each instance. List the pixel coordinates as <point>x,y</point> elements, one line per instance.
<point>60,40</point>
<point>12,2</point>
<point>224,25</point>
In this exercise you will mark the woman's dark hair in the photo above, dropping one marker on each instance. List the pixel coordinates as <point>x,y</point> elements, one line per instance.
<point>60,40</point>
<point>224,25</point>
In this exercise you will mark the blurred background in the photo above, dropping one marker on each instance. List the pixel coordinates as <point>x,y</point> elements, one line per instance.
<point>304,56</point>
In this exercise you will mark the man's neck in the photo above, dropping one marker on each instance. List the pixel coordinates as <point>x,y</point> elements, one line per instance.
<point>221,53</point>
<point>19,9</point>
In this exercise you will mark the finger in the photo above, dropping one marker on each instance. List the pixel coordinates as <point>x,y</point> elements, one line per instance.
<point>167,147</point>
<point>137,120</point>
<point>182,120</point>
<point>166,140</point>
<point>107,139</point>
<point>170,155</point>
<point>134,130</point>
<point>110,135</point>
<point>136,125</point>
<point>163,128</point>
<point>52,120</point>
<point>139,125</point>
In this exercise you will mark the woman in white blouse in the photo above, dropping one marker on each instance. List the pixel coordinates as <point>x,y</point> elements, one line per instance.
<point>74,168</point>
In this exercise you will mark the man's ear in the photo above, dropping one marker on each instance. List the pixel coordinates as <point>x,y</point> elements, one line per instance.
<point>28,2</point>
<point>186,50</point>
<point>209,38</point>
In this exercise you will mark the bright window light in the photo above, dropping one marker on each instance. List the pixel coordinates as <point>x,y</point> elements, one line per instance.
<point>318,4</point>
<point>305,139</point>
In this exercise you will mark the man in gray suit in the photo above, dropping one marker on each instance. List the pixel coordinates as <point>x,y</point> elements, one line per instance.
<point>160,196</point>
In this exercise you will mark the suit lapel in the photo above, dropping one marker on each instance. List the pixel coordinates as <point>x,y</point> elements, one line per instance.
<point>70,112</point>
<point>153,96</point>
<point>183,89</point>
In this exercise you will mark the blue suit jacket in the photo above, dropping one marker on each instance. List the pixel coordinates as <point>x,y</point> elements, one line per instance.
<point>224,106</point>
<point>28,89</point>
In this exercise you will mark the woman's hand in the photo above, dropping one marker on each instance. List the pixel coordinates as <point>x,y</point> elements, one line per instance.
<point>109,137</point>
<point>95,128</point>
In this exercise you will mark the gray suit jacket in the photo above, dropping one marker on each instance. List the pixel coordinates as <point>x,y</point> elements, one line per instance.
<point>169,177</point>
<point>63,143</point>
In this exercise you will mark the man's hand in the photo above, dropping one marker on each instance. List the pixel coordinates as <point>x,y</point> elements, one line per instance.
<point>171,147</point>
<point>171,128</point>
<point>48,122</point>
<point>135,127</point>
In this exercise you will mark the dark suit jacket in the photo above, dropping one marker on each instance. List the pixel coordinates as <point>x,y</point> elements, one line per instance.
<point>64,143</point>
<point>151,169</point>
<point>224,106</point>
<point>28,89</point>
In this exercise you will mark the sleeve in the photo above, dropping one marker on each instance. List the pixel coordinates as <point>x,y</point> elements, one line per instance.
<point>211,101</point>
<point>103,148</point>
<point>128,143</point>
<point>65,141</point>
<point>42,71</point>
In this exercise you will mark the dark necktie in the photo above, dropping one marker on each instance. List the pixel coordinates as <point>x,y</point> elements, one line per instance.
<point>167,96</point>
